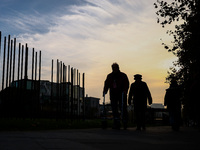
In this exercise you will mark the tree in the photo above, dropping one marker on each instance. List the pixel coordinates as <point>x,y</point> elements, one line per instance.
<point>186,46</point>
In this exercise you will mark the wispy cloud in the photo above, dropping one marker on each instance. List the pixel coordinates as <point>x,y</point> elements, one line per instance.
<point>93,35</point>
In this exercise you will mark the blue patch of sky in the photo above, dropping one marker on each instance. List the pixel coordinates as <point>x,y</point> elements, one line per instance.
<point>14,12</point>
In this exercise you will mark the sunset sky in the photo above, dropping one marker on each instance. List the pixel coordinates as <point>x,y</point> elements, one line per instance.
<point>92,34</point>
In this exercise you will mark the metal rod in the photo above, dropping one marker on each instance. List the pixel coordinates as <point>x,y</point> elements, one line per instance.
<point>60,72</point>
<point>8,61</point>
<point>63,72</point>
<point>68,73</point>
<point>33,53</point>
<point>0,48</point>
<point>57,71</point>
<point>40,65</point>
<point>32,82</point>
<point>78,98</point>
<point>4,56</point>
<point>22,62</point>
<point>57,89</point>
<point>83,82</point>
<point>35,66</point>
<point>72,91</point>
<point>52,79</point>
<point>0,45</point>
<point>26,63</point>
<point>74,83</point>
<point>52,71</point>
<point>11,49</point>
<point>18,63</point>
<point>13,78</point>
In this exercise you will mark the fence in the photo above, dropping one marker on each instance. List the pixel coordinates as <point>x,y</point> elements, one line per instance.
<point>21,96</point>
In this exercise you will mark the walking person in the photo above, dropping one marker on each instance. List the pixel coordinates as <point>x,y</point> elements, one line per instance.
<point>117,83</point>
<point>173,102</point>
<point>138,95</point>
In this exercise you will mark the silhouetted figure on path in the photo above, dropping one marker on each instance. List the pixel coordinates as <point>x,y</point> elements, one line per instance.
<point>139,93</point>
<point>173,102</point>
<point>117,82</point>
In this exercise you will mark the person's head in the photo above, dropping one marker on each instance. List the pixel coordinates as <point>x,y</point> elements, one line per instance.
<point>115,67</point>
<point>173,83</point>
<point>137,77</point>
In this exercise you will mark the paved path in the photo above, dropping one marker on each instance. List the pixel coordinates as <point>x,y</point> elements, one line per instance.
<point>97,139</point>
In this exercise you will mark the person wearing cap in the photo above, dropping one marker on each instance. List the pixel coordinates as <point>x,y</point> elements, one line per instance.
<point>118,84</point>
<point>138,95</point>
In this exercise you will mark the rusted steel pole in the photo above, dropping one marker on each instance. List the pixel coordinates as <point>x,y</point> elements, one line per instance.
<point>8,53</point>
<point>10,72</point>
<point>18,63</point>
<point>13,78</point>
<point>4,56</point>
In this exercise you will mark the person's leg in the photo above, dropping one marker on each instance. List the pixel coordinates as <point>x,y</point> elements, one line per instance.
<point>143,119</point>
<point>124,111</point>
<point>137,117</point>
<point>116,122</point>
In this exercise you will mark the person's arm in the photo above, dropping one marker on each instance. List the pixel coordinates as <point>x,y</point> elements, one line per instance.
<point>126,84</point>
<point>130,96</point>
<point>166,98</point>
<point>149,95</point>
<point>106,86</point>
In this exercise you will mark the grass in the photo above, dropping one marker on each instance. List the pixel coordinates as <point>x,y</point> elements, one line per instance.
<point>46,124</point>
<point>15,124</point>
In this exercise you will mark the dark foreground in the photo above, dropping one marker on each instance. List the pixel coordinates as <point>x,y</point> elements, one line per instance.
<point>153,138</point>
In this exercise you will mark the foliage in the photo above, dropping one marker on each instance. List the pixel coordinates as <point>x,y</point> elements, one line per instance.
<point>186,35</point>
<point>185,45</point>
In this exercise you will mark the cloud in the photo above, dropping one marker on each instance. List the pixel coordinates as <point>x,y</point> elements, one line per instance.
<point>93,35</point>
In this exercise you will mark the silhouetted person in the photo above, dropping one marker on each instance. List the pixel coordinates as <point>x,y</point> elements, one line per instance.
<point>173,102</point>
<point>139,93</point>
<point>117,82</point>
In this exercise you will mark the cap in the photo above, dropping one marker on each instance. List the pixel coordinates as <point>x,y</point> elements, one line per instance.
<point>137,76</point>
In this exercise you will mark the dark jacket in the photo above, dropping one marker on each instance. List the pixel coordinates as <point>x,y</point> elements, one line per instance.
<point>139,92</point>
<point>117,83</point>
<point>172,98</point>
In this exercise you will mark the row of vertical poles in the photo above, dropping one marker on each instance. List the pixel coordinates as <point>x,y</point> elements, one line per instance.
<point>8,67</point>
<point>69,94</point>
<point>16,96</point>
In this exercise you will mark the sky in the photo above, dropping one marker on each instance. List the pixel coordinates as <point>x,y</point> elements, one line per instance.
<point>90,35</point>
